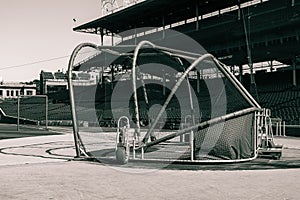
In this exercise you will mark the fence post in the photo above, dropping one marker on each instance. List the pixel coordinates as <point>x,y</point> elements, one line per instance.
<point>280,127</point>
<point>46,120</point>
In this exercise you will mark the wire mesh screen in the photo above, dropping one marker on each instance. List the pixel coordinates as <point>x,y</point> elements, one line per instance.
<point>235,142</point>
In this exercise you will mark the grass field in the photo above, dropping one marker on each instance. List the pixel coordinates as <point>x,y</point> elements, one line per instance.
<point>9,131</point>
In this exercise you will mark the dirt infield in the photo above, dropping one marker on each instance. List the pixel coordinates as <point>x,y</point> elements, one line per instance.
<point>40,168</point>
<point>83,180</point>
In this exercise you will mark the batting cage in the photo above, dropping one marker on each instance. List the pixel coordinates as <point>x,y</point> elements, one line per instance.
<point>155,103</point>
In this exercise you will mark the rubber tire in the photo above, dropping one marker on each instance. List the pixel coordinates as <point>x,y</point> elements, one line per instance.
<point>121,155</point>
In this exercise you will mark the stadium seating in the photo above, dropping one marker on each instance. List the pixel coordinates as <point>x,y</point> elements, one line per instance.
<point>275,91</point>
<point>60,75</point>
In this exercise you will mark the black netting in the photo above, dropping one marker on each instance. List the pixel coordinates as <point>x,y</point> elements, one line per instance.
<point>231,139</point>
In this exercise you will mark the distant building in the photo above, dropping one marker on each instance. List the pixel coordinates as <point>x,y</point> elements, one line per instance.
<point>9,90</point>
<point>57,82</point>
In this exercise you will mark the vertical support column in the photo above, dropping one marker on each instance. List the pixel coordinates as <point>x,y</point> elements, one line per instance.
<point>197,16</point>
<point>198,82</point>
<point>271,66</point>
<point>201,74</point>
<point>135,36</point>
<point>163,25</point>
<point>239,10</point>
<point>164,83</point>
<point>294,73</point>
<point>101,37</point>
<point>112,39</point>
<point>241,73</point>
<point>112,77</point>
<point>255,132</point>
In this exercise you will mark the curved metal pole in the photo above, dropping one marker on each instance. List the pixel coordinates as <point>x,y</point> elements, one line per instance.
<point>71,92</point>
<point>174,89</point>
<point>134,64</point>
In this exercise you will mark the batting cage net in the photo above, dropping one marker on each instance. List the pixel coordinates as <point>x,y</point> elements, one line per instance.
<point>149,102</point>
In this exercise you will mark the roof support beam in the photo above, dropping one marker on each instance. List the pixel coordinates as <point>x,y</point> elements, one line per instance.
<point>197,16</point>
<point>163,25</point>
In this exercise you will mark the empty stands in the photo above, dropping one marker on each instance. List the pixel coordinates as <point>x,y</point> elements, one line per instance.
<point>276,91</point>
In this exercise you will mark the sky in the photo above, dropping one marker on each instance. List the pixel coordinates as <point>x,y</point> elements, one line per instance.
<point>33,31</point>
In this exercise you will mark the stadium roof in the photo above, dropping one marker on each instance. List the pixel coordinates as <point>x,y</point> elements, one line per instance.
<point>154,13</point>
<point>146,55</point>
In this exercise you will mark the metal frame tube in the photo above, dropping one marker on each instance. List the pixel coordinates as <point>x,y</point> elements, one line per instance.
<point>134,66</point>
<point>72,97</point>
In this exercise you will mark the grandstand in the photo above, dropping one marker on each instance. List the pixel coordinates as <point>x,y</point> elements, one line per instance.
<point>276,90</point>
<point>222,28</point>
<point>54,83</point>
